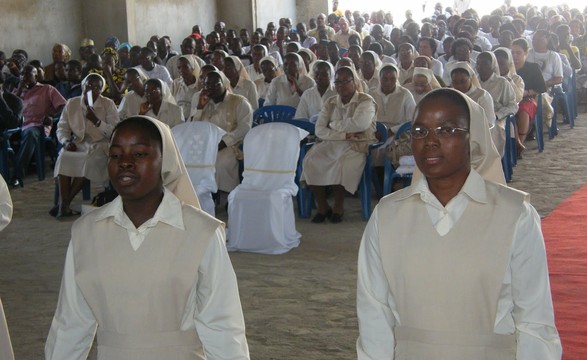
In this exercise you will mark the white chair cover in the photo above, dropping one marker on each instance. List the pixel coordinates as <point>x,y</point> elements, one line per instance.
<point>197,142</point>
<point>260,210</point>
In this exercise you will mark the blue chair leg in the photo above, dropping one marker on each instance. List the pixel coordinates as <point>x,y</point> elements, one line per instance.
<point>86,194</point>
<point>552,132</point>
<point>40,156</point>
<point>365,189</point>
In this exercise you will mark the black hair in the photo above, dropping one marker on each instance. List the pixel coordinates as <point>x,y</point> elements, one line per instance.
<point>147,126</point>
<point>155,82</point>
<point>74,63</point>
<point>376,48</point>
<point>430,41</point>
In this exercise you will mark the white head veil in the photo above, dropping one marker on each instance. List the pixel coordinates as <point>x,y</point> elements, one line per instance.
<point>301,65</point>
<point>511,65</point>
<point>238,64</point>
<point>166,92</point>
<point>466,66</point>
<point>193,63</point>
<point>272,60</point>
<point>429,75</point>
<point>87,78</point>
<point>173,171</point>
<point>318,62</point>
<point>484,156</point>
<point>494,64</point>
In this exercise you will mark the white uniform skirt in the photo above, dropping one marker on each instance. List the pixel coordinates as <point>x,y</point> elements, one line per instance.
<point>334,163</point>
<point>89,161</point>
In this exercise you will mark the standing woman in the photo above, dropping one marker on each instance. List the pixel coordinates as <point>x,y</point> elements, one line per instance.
<point>84,129</point>
<point>185,86</point>
<point>160,104</point>
<point>149,271</point>
<point>345,127</point>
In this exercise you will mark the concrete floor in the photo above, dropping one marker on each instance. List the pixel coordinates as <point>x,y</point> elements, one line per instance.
<point>300,305</point>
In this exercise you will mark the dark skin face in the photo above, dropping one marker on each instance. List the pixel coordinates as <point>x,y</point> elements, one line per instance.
<point>388,80</point>
<point>461,81</point>
<point>58,53</point>
<point>345,86</point>
<point>445,162</point>
<point>188,46</point>
<point>59,71</point>
<point>230,71</point>
<point>134,167</point>
<point>306,59</point>
<point>134,83</point>
<point>421,84</point>
<point>123,54</point>
<point>218,60</point>
<point>322,76</point>
<point>29,76</point>
<point>268,71</point>
<point>322,52</point>
<point>186,71</point>
<point>94,85</point>
<point>355,56</point>
<point>367,66</point>
<point>214,87</point>
<point>462,53</point>
<point>153,94</point>
<point>290,66</point>
<point>146,61</point>
<point>257,55</point>
<point>484,67</point>
<point>503,63</point>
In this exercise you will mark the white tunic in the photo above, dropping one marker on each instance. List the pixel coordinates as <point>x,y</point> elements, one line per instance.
<point>311,102</point>
<point>91,157</point>
<point>130,105</point>
<point>172,65</point>
<point>502,93</point>
<point>282,93</point>
<point>183,94</point>
<point>247,89</point>
<point>169,113</point>
<point>395,108</point>
<point>212,312</point>
<point>158,72</point>
<point>253,74</point>
<point>524,304</point>
<point>235,116</point>
<point>335,160</point>
<point>483,98</point>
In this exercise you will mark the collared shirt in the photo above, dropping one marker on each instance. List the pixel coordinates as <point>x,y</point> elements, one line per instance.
<point>158,72</point>
<point>395,108</point>
<point>342,39</point>
<point>311,102</point>
<point>329,32</point>
<point>215,293</point>
<point>282,93</point>
<point>528,314</point>
<point>39,101</point>
<point>247,89</point>
<point>183,94</point>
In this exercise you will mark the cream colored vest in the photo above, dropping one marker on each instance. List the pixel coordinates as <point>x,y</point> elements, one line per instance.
<point>139,297</point>
<point>447,288</point>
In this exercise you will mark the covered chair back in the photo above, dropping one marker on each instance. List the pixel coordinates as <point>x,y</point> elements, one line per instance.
<point>271,155</point>
<point>197,142</point>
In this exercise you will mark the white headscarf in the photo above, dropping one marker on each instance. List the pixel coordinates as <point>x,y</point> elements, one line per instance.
<point>466,66</point>
<point>494,64</point>
<point>238,64</point>
<point>511,65</point>
<point>173,171</point>
<point>165,92</point>
<point>376,59</point>
<point>318,62</point>
<point>5,204</point>
<point>272,60</point>
<point>301,65</point>
<point>429,75</point>
<point>87,78</point>
<point>356,78</point>
<point>193,63</point>
<point>484,156</point>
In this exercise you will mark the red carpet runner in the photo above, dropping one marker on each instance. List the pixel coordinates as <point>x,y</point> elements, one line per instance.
<point>565,234</point>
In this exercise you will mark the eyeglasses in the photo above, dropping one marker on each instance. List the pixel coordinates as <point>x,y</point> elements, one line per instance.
<point>342,82</point>
<point>212,86</point>
<point>419,132</point>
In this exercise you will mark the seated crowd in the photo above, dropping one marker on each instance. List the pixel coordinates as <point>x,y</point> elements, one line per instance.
<point>344,72</point>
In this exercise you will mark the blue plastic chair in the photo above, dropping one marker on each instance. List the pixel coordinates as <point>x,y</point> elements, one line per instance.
<point>273,113</point>
<point>6,152</point>
<point>560,96</point>
<point>389,172</point>
<point>366,178</point>
<point>510,156</point>
<point>304,197</point>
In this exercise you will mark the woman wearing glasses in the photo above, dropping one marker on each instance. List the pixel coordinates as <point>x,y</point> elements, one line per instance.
<point>454,266</point>
<point>345,127</point>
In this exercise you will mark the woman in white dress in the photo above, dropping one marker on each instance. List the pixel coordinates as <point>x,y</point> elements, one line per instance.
<point>370,64</point>
<point>148,272</point>
<point>160,104</point>
<point>84,130</point>
<point>507,69</point>
<point>185,86</point>
<point>240,82</point>
<point>313,99</point>
<point>270,71</point>
<point>345,127</point>
<point>406,55</point>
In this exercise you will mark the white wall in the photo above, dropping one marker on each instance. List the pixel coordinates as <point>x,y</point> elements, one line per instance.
<point>237,14</point>
<point>307,9</point>
<point>35,25</point>
<point>272,10</point>
<point>168,17</point>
